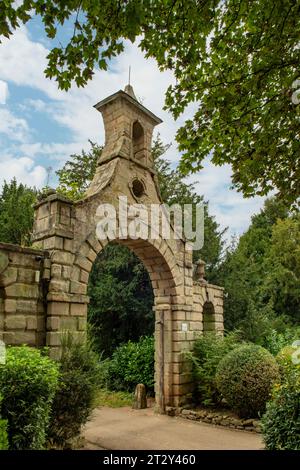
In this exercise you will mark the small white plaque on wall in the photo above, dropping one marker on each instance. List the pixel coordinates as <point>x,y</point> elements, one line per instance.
<point>184,327</point>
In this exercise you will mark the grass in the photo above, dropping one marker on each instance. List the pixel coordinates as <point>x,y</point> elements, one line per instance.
<point>113,399</point>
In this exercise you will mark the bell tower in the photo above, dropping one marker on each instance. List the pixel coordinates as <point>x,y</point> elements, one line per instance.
<point>128,133</point>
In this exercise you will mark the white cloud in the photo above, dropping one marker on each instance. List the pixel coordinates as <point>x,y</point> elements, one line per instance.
<point>12,126</point>
<point>228,205</point>
<point>23,61</point>
<point>36,105</point>
<point>53,151</point>
<point>3,92</point>
<point>24,170</point>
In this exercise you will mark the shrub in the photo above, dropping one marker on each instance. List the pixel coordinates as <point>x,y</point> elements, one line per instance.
<point>3,435</point>
<point>78,385</point>
<point>281,422</point>
<point>245,377</point>
<point>3,432</point>
<point>132,363</point>
<point>28,382</point>
<point>208,351</point>
<point>276,341</point>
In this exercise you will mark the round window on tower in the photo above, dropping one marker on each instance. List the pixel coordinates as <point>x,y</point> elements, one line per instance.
<point>137,188</point>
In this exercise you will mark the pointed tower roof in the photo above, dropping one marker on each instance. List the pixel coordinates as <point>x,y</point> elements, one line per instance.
<point>129,90</point>
<point>129,95</point>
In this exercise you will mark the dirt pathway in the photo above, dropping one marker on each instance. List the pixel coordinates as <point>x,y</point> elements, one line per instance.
<point>124,428</point>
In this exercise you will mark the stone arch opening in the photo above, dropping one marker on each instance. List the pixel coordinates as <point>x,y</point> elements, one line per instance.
<point>138,141</point>
<point>208,318</point>
<point>162,277</point>
<point>121,299</point>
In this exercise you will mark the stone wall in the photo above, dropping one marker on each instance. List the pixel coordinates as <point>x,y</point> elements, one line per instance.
<point>218,418</point>
<point>23,281</point>
<point>208,306</point>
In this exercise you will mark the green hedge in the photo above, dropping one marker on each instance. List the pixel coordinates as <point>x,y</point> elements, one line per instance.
<point>132,363</point>
<point>3,435</point>
<point>28,382</point>
<point>3,432</point>
<point>208,351</point>
<point>281,422</point>
<point>78,385</point>
<point>245,377</point>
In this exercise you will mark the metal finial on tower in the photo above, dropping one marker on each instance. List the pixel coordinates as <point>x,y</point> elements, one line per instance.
<point>128,88</point>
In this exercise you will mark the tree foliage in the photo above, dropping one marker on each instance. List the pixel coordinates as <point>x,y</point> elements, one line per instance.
<point>77,173</point>
<point>16,213</point>
<point>260,274</point>
<point>175,190</point>
<point>237,59</point>
<point>121,299</point>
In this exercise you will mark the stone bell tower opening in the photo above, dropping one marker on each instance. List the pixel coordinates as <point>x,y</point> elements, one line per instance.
<point>138,144</point>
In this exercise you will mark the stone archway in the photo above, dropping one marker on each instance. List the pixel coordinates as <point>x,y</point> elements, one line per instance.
<point>163,277</point>
<point>65,232</point>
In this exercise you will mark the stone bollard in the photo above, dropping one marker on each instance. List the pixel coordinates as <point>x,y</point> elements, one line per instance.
<point>140,399</point>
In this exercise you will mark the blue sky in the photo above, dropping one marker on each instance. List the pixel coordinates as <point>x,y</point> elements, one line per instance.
<point>40,126</point>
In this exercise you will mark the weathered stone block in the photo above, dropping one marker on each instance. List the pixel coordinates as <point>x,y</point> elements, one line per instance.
<point>68,245</point>
<point>10,305</point>
<point>53,323</point>
<point>27,276</point>
<point>68,323</point>
<point>66,272</point>
<point>9,276</point>
<point>178,315</point>
<point>15,322</point>
<point>196,326</point>
<point>43,210</point>
<point>84,276</point>
<point>81,323</point>
<point>58,308</point>
<point>63,257</point>
<point>94,243</point>
<point>20,337</point>
<point>140,398</point>
<point>78,309</point>
<point>31,323</point>
<point>84,263</point>
<point>56,270</point>
<point>59,285</point>
<point>179,335</point>
<point>22,290</point>
<point>54,243</point>
<point>182,378</point>
<point>4,261</point>
<point>78,287</point>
